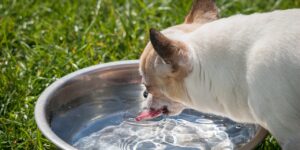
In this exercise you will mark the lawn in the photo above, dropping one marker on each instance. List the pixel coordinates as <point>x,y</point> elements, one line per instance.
<point>43,40</point>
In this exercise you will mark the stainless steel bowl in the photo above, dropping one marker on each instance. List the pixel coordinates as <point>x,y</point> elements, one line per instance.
<point>71,107</point>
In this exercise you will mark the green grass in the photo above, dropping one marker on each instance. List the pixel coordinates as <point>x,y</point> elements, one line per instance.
<point>43,40</point>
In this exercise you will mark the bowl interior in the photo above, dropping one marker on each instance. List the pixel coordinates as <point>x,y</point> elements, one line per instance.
<point>83,100</point>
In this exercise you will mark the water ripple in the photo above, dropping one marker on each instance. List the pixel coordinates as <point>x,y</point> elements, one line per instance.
<point>184,132</point>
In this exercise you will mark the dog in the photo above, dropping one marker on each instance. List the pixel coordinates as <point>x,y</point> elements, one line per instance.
<point>244,67</point>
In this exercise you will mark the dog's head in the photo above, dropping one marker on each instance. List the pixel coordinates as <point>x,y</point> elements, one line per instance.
<point>164,63</point>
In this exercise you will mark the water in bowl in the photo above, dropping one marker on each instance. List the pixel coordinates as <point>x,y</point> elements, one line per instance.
<point>190,130</point>
<point>103,119</point>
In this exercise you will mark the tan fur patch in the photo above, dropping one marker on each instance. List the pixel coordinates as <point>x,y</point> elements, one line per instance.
<point>202,11</point>
<point>171,85</point>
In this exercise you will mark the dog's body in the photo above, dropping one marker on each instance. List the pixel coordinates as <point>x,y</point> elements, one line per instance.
<point>248,68</point>
<point>245,67</point>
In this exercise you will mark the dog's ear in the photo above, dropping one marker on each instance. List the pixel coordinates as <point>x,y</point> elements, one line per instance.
<point>202,11</point>
<point>163,46</point>
<point>172,52</point>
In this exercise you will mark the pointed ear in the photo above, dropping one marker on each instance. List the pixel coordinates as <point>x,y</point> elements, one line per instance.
<point>172,52</point>
<point>163,46</point>
<point>166,48</point>
<point>202,11</point>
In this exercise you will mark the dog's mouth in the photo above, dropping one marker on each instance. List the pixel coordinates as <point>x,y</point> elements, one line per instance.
<point>152,113</point>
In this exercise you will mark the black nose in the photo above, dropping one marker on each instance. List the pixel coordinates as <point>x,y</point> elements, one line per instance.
<point>145,94</point>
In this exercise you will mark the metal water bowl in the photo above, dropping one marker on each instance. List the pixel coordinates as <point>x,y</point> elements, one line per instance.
<point>72,106</point>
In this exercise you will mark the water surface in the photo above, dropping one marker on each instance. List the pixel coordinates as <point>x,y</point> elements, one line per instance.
<point>190,130</point>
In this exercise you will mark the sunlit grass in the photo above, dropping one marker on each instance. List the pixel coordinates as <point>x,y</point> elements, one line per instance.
<point>43,40</point>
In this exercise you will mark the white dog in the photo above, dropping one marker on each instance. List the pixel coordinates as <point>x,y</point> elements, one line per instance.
<point>245,67</point>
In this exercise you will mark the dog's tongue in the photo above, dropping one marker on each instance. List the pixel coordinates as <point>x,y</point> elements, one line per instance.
<point>148,114</point>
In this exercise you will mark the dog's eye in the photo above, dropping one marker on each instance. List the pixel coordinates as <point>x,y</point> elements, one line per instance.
<point>145,94</point>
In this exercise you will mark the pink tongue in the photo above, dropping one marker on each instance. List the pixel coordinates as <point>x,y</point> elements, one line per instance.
<point>148,114</point>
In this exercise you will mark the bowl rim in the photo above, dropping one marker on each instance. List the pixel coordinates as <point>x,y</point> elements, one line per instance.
<point>44,98</point>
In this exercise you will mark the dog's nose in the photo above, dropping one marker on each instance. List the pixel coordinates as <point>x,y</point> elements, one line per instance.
<point>145,94</point>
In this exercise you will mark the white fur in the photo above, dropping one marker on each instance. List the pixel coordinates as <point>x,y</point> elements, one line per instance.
<point>247,67</point>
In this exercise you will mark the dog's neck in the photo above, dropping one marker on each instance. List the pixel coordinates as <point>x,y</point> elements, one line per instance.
<point>217,83</point>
